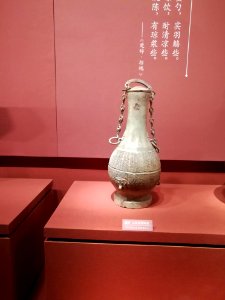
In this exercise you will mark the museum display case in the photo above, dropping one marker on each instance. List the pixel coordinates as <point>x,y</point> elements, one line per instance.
<point>173,249</point>
<point>25,206</point>
<point>63,65</point>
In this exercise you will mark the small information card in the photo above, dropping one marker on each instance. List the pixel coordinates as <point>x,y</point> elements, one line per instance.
<point>137,225</point>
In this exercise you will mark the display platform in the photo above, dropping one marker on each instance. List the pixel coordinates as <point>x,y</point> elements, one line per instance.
<point>25,207</point>
<point>90,256</point>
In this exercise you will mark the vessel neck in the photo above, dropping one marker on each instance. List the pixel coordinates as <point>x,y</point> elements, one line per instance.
<point>137,114</point>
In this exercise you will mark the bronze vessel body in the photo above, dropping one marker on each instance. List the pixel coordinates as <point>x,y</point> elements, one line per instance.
<point>134,166</point>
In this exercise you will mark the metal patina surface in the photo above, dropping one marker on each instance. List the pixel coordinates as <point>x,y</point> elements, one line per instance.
<point>134,166</point>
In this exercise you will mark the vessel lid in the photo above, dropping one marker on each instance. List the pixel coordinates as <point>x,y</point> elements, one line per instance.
<point>145,87</point>
<point>138,88</point>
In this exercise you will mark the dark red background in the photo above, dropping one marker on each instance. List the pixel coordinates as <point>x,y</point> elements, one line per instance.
<point>63,65</point>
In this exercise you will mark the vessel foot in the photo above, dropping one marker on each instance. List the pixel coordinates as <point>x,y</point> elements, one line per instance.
<point>126,202</point>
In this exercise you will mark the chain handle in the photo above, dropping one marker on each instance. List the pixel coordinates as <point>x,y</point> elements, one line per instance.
<point>117,139</point>
<point>151,120</point>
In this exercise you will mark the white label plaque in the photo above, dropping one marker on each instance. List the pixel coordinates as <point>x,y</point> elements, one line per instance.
<point>137,225</point>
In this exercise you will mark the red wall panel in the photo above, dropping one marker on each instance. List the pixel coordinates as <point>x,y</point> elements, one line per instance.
<point>97,50</point>
<point>27,78</point>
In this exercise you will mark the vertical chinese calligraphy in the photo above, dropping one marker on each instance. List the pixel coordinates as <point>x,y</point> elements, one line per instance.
<point>154,39</point>
<point>176,39</point>
<point>166,6</point>
<point>178,6</point>
<point>156,6</point>
<point>165,35</point>
<point>141,52</point>
<point>165,39</point>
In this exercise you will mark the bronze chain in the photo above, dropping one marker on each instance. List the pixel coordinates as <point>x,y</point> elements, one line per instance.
<point>120,121</point>
<point>151,120</point>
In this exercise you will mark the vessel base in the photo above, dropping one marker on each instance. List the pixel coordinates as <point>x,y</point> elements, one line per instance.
<point>126,202</point>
